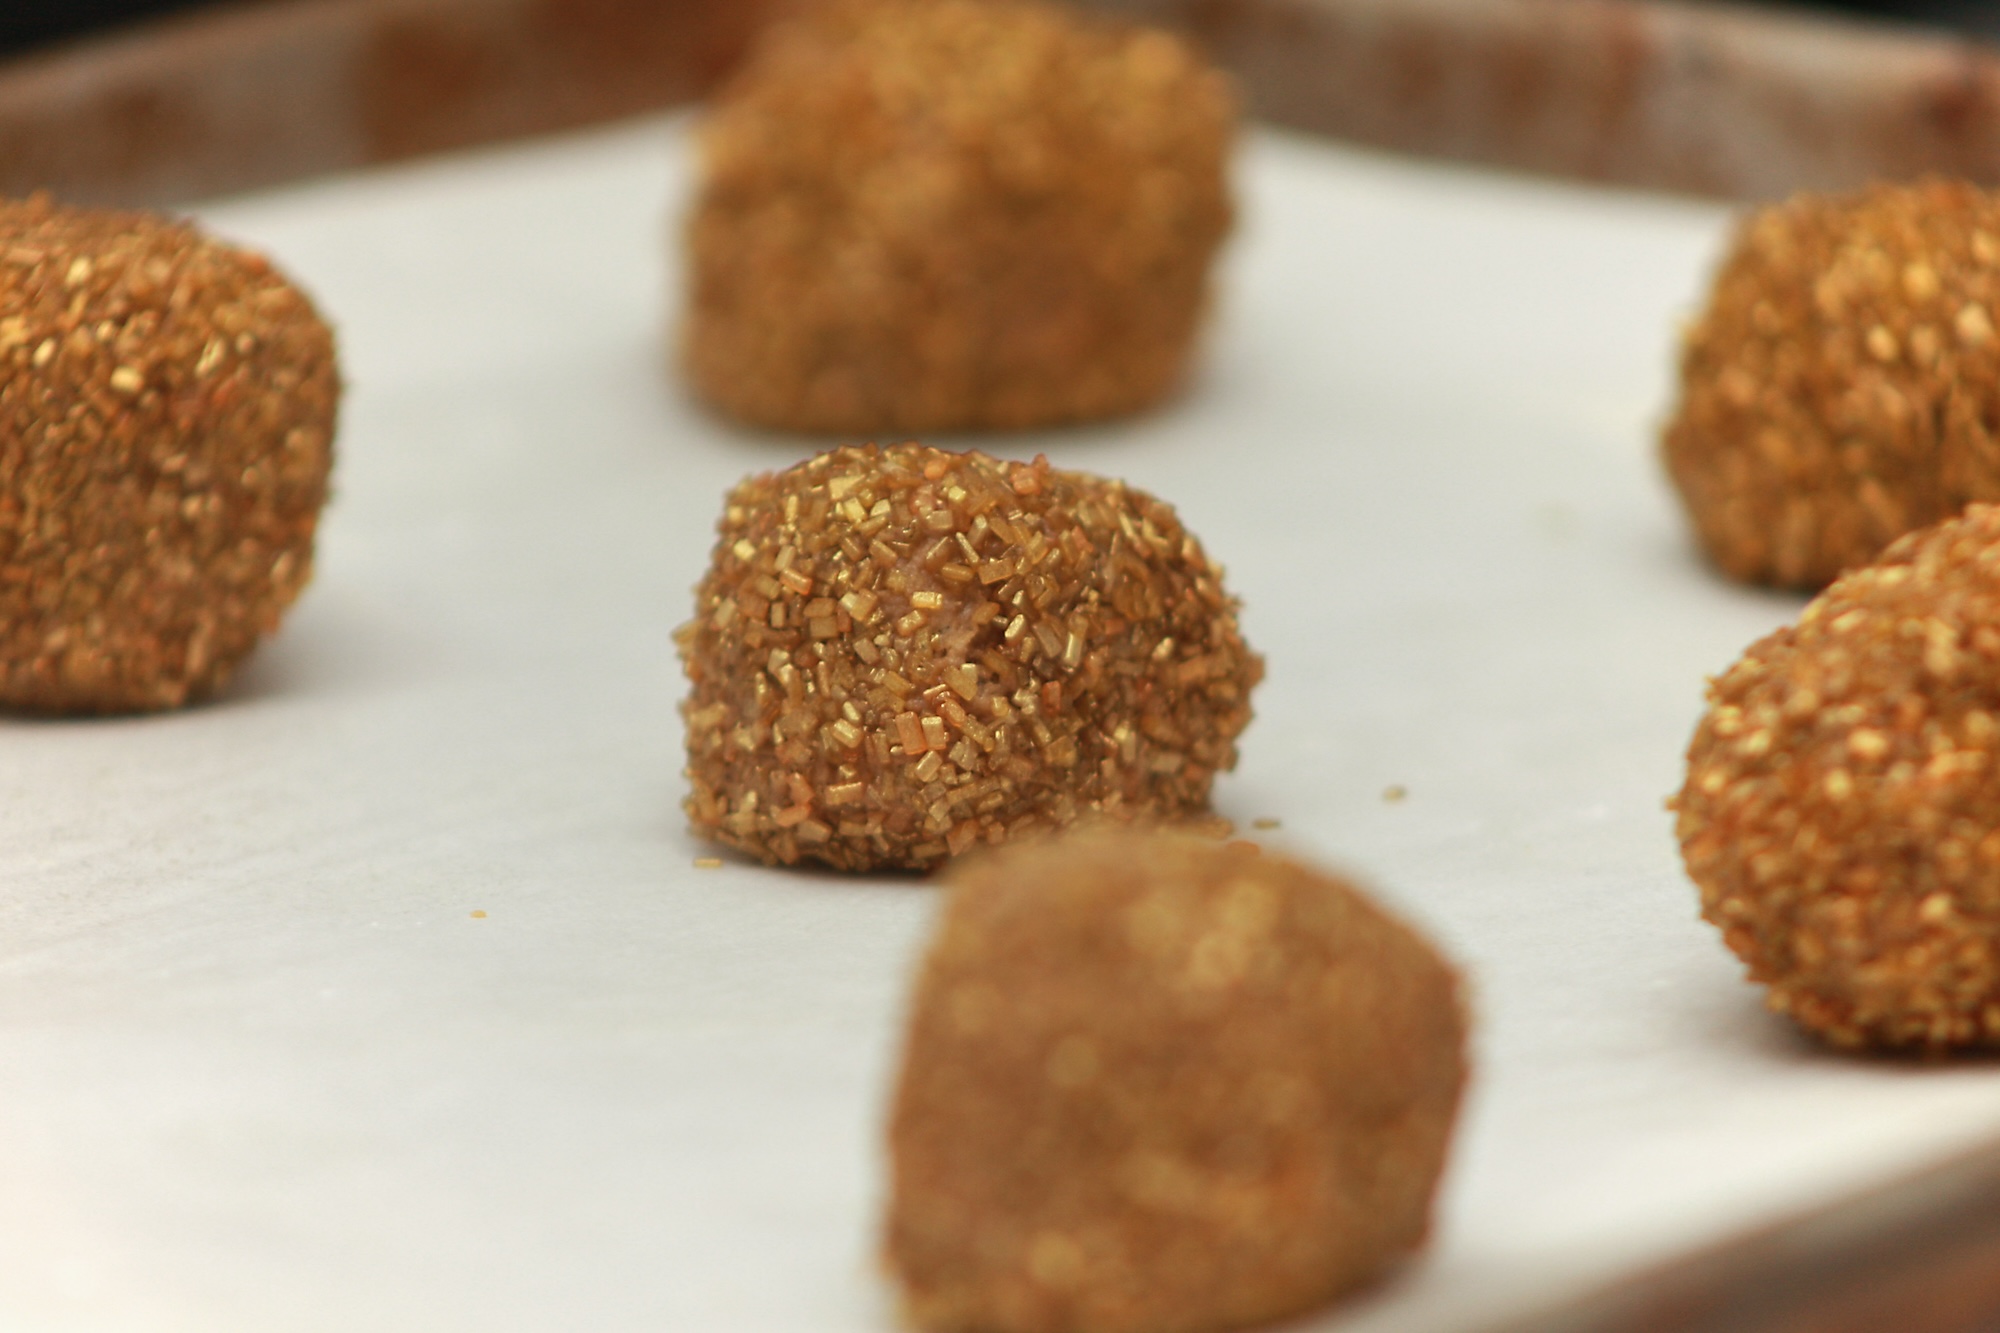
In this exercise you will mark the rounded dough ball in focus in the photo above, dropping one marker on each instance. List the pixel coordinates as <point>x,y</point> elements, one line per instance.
<point>167,410</point>
<point>925,215</point>
<point>1843,386</point>
<point>898,653</point>
<point>1154,1084</point>
<point>1841,815</point>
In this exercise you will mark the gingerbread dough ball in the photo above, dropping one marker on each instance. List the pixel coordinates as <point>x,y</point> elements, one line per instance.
<point>1843,386</point>
<point>1154,1084</point>
<point>898,653</point>
<point>1841,813</point>
<point>166,425</point>
<point>924,215</point>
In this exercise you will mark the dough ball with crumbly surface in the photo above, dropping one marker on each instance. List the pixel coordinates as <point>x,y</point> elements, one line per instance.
<point>900,652</point>
<point>1154,1084</point>
<point>1841,813</point>
<point>926,215</point>
<point>166,425</point>
<point>1843,386</point>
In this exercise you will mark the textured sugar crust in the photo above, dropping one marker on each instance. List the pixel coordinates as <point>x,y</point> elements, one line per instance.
<point>925,215</point>
<point>1158,1085</point>
<point>1843,386</point>
<point>167,412</point>
<point>1841,814</point>
<point>898,653</point>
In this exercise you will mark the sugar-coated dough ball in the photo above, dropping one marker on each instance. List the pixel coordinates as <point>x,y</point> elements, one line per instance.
<point>1154,1084</point>
<point>1843,386</point>
<point>900,652</point>
<point>166,428</point>
<point>925,215</point>
<point>1841,814</point>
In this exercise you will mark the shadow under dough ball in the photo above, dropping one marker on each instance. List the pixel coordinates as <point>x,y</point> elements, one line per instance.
<point>166,424</point>
<point>1154,1084</point>
<point>928,215</point>
<point>1841,814</point>
<point>897,653</point>
<point>1843,386</point>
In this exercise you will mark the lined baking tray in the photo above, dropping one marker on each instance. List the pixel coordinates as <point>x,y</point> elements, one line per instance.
<point>253,1077</point>
<point>265,1066</point>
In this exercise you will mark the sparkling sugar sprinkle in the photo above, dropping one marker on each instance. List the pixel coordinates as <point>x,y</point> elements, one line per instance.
<point>167,411</point>
<point>1841,814</point>
<point>900,652</point>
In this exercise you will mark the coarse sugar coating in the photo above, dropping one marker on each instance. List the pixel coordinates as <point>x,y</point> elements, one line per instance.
<point>1153,1084</point>
<point>900,652</point>
<point>1841,813</point>
<point>1843,386</point>
<point>166,423</point>
<point>925,215</point>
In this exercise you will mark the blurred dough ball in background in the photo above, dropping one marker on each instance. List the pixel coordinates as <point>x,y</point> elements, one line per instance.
<point>1843,386</point>
<point>931,215</point>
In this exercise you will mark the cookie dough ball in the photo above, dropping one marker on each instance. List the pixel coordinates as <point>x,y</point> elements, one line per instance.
<point>166,425</point>
<point>1841,814</point>
<point>898,653</point>
<point>1843,386</point>
<point>925,215</point>
<point>1159,1085</point>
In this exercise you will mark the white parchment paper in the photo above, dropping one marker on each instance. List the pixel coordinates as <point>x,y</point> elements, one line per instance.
<point>262,1068</point>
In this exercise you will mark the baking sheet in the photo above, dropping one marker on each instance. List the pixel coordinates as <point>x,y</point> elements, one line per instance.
<point>262,1066</point>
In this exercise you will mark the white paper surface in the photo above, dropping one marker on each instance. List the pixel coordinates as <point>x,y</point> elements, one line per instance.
<point>261,1068</point>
